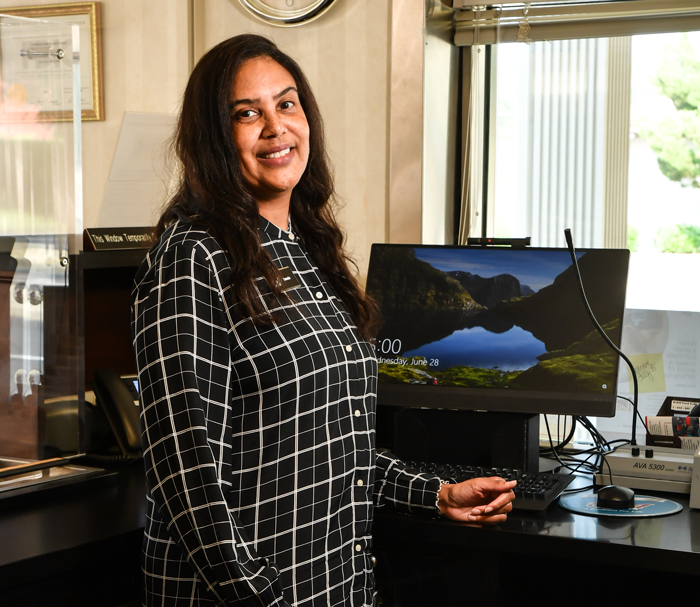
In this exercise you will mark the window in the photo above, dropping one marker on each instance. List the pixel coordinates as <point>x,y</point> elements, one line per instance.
<point>586,131</point>
<point>597,134</point>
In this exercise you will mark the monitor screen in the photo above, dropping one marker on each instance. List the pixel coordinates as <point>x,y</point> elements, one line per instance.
<point>496,328</point>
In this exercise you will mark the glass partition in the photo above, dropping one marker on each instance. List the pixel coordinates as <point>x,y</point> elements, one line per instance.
<point>41,344</point>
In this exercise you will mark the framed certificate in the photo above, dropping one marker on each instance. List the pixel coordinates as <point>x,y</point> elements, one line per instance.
<point>57,105</point>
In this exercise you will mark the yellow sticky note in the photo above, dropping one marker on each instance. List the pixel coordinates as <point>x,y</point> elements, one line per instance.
<point>650,372</point>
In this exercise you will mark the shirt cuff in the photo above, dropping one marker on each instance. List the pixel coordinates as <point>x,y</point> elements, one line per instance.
<point>439,512</point>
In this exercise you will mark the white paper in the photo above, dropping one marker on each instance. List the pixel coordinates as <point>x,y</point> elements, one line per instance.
<point>664,348</point>
<point>138,180</point>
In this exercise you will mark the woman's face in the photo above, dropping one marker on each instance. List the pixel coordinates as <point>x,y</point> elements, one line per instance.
<point>270,130</point>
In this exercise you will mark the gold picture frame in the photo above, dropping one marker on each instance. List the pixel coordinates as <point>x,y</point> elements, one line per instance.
<point>87,16</point>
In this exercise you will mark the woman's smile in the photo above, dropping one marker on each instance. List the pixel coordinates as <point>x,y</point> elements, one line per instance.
<point>277,153</point>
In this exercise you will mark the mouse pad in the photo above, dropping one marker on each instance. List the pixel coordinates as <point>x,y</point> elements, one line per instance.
<point>644,506</point>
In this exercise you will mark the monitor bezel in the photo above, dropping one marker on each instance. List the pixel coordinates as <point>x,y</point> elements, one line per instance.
<point>495,400</point>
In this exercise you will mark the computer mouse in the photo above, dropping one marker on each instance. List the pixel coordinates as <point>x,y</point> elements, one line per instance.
<point>615,497</point>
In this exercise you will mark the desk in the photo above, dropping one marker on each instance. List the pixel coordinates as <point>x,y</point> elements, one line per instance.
<point>539,559</point>
<point>82,548</point>
<point>77,546</point>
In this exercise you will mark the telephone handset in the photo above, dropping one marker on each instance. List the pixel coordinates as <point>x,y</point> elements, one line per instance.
<point>118,398</point>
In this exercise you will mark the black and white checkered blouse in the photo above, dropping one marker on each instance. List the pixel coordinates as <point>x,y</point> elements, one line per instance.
<point>258,440</point>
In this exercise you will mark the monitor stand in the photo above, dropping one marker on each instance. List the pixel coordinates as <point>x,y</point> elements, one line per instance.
<point>498,440</point>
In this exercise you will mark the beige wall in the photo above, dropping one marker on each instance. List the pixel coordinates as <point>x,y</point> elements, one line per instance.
<point>345,54</point>
<point>145,66</point>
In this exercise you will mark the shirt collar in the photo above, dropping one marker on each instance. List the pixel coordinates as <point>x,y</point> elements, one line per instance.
<point>273,231</point>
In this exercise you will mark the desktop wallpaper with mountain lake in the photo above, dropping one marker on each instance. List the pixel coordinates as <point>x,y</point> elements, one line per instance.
<point>497,318</point>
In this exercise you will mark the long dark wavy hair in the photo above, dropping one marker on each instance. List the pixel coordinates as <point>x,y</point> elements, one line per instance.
<point>212,192</point>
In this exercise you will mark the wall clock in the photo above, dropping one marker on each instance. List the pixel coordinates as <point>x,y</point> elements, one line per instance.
<point>287,13</point>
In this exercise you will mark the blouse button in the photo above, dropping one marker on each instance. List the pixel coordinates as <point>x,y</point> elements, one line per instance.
<point>358,548</point>
<point>291,236</point>
<point>360,482</point>
<point>357,413</point>
<point>348,348</point>
<point>319,295</point>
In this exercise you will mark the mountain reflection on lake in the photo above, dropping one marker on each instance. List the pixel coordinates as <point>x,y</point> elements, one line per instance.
<point>514,350</point>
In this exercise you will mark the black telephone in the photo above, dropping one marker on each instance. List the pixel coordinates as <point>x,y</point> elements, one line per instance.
<point>117,399</point>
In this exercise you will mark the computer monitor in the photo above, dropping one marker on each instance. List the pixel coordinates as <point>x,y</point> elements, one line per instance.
<point>497,329</point>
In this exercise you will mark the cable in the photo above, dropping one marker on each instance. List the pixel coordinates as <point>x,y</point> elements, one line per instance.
<point>641,419</point>
<point>560,446</point>
<point>578,489</point>
<point>604,335</point>
<point>572,463</point>
<point>582,461</point>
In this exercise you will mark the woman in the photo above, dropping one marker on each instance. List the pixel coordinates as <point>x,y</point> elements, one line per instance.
<point>257,380</point>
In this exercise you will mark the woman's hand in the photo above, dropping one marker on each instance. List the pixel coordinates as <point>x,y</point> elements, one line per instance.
<point>479,500</point>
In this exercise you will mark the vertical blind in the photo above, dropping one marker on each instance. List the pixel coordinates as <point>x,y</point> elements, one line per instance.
<point>566,141</point>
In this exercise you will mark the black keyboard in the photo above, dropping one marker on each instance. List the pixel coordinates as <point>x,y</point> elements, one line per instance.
<point>534,491</point>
